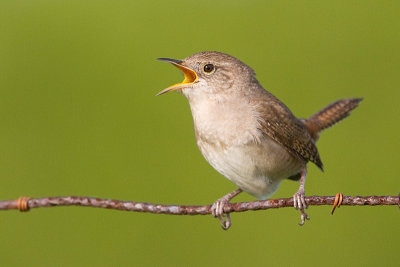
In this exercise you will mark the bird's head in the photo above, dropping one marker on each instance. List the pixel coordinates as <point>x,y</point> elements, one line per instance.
<point>210,73</point>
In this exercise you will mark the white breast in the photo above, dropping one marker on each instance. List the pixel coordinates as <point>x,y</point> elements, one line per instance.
<point>230,141</point>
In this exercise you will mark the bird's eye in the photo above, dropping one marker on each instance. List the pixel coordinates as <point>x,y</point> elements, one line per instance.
<point>208,68</point>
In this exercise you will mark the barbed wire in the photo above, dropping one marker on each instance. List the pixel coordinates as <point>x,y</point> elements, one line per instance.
<point>26,203</point>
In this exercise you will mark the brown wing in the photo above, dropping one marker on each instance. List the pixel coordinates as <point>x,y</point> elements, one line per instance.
<point>277,122</point>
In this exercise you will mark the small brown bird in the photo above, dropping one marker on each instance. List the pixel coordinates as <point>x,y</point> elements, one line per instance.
<point>245,132</point>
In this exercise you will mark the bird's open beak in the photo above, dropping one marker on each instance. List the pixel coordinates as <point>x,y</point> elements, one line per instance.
<point>189,74</point>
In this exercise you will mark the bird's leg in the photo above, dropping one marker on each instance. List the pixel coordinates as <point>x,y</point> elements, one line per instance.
<point>217,209</point>
<point>299,201</point>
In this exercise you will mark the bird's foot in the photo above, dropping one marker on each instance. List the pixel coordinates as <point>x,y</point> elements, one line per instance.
<point>299,203</point>
<point>217,209</point>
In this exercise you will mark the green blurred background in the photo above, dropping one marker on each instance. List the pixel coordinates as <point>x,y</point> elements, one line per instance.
<point>79,116</point>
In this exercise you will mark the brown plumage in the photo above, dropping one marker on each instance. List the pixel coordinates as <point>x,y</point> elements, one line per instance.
<point>278,122</point>
<point>326,118</point>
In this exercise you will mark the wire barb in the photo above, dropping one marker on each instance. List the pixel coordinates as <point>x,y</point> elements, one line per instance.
<point>22,204</point>
<point>338,201</point>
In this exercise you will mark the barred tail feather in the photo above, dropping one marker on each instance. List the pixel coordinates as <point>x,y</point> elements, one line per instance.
<point>330,115</point>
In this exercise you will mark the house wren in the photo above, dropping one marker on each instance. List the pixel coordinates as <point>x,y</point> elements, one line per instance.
<point>245,132</point>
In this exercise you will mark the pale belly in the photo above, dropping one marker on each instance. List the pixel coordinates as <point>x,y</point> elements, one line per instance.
<point>257,169</point>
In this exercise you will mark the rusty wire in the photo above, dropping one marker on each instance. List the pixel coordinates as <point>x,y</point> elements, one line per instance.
<point>27,203</point>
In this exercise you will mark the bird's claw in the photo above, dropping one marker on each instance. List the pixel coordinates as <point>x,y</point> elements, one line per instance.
<point>225,224</point>
<point>299,203</point>
<point>303,217</point>
<point>217,210</point>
